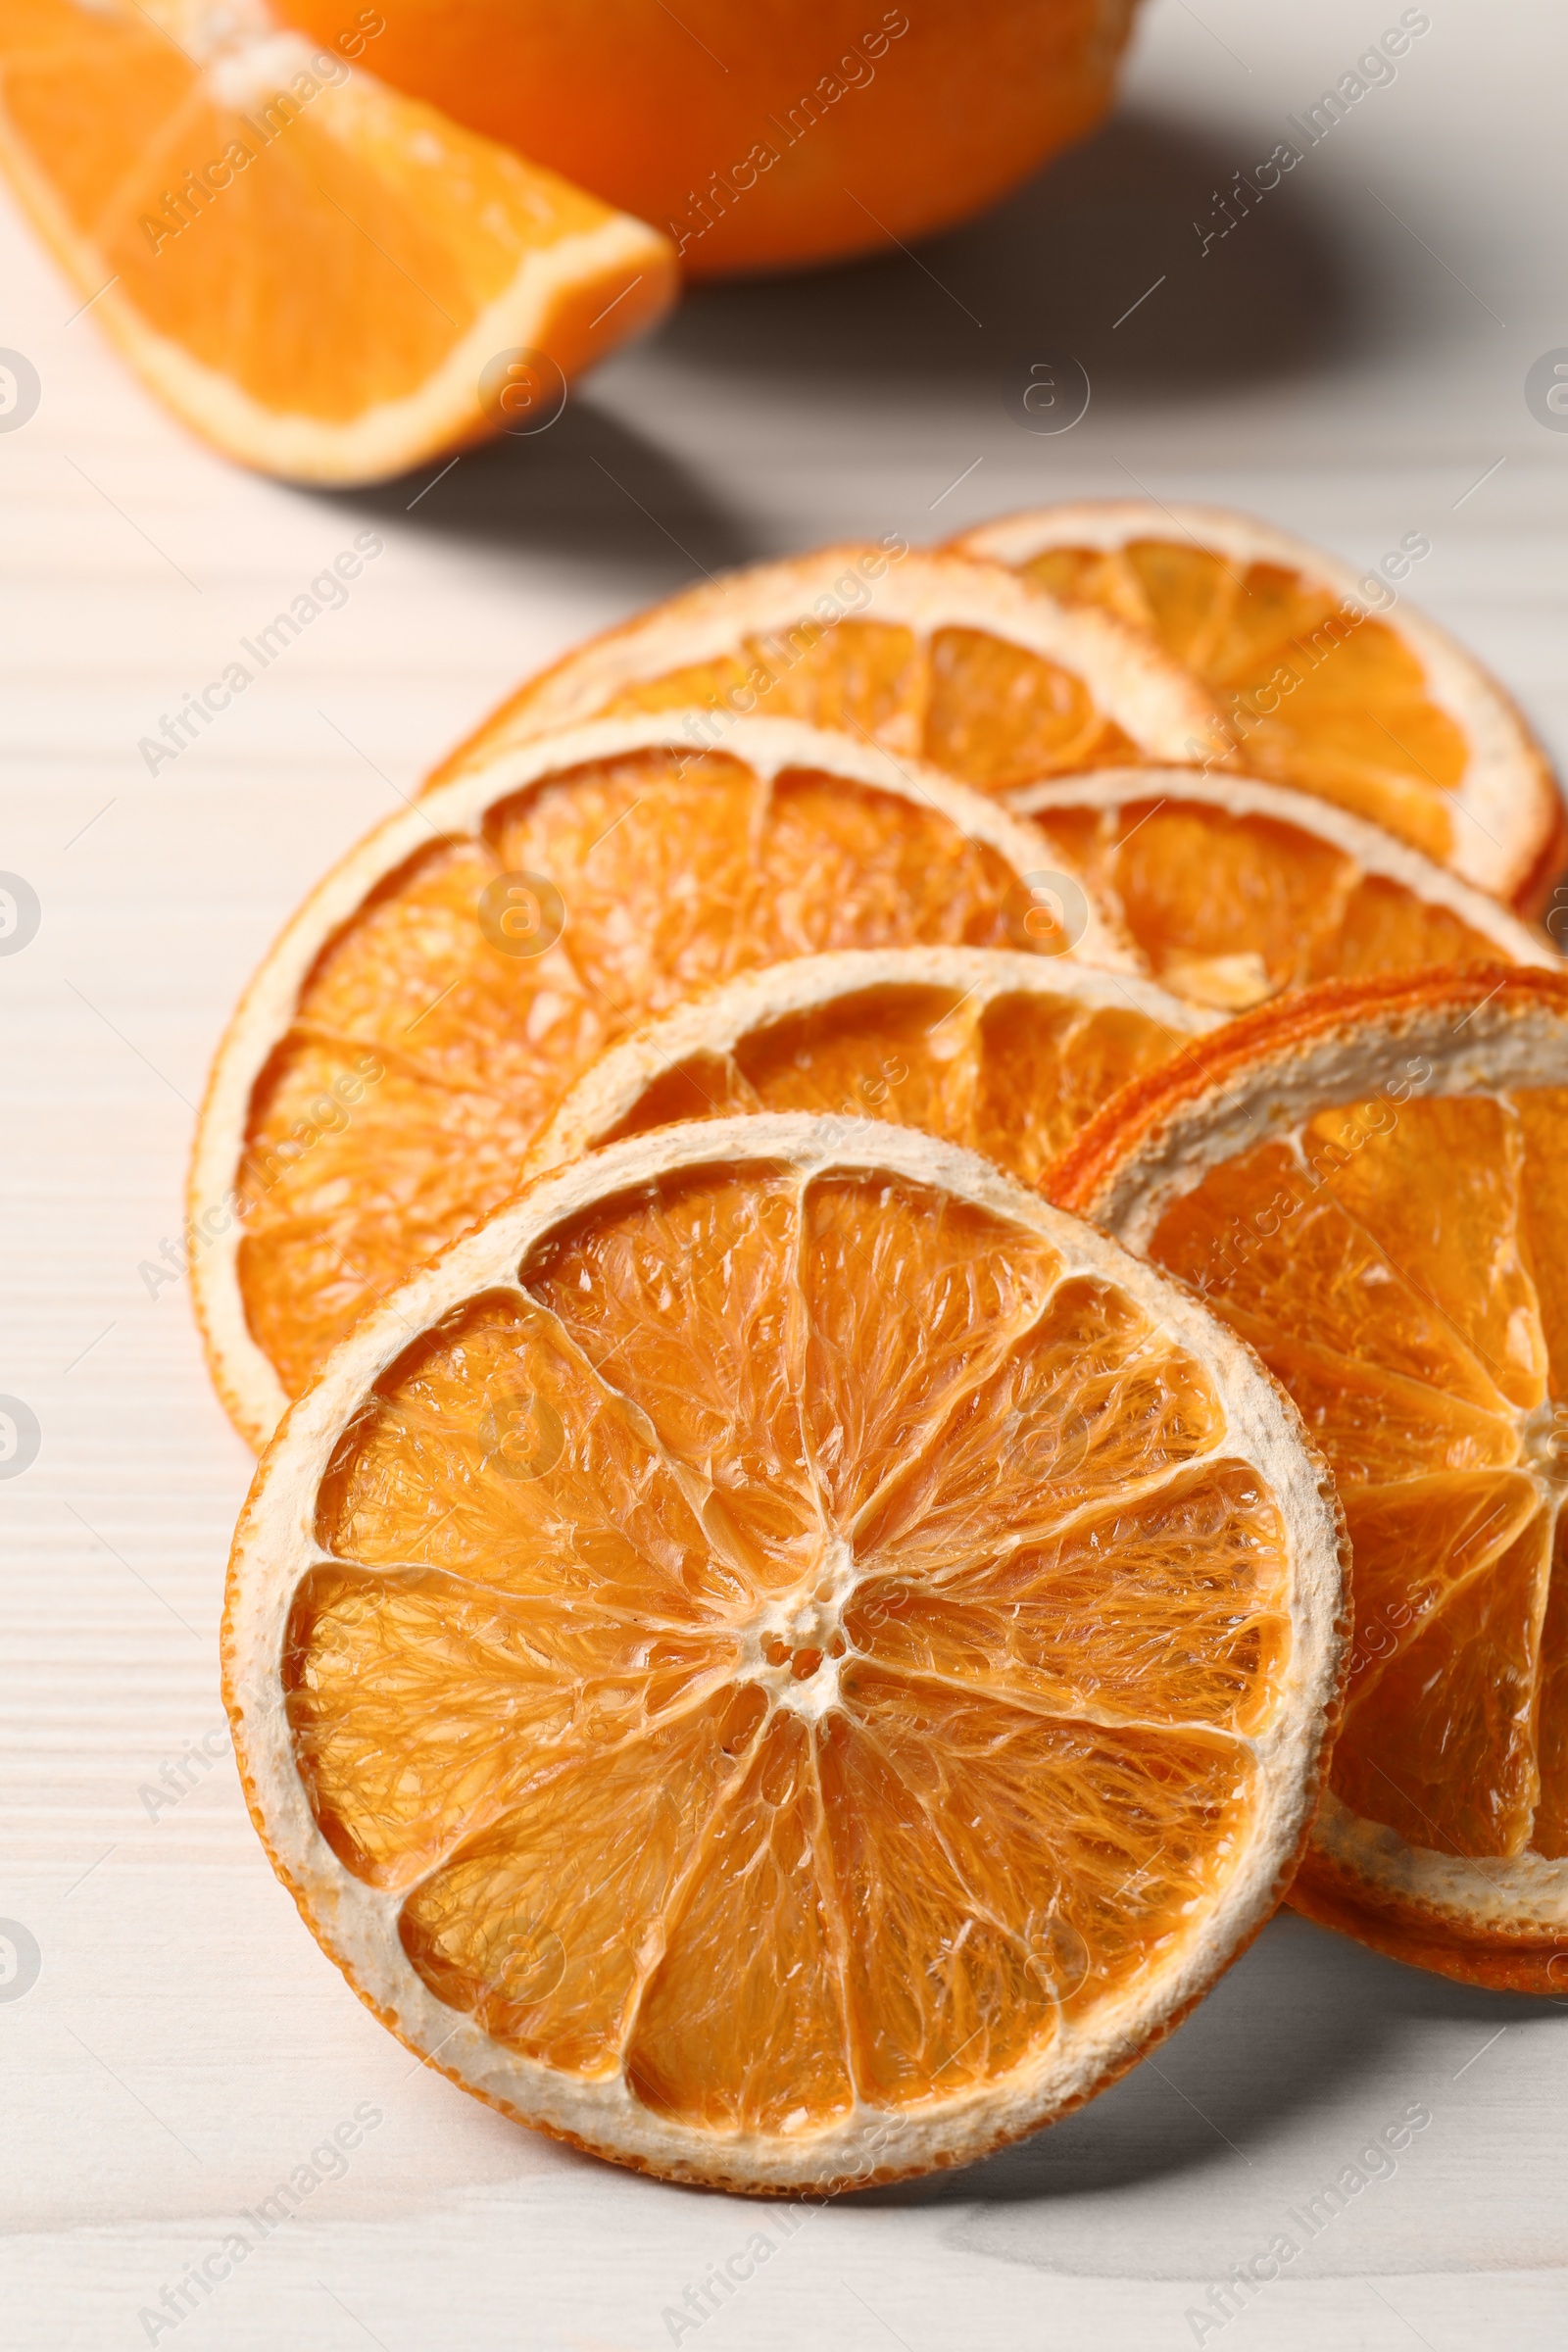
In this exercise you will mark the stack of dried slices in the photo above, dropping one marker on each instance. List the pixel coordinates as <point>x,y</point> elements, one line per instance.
<point>834,1240</point>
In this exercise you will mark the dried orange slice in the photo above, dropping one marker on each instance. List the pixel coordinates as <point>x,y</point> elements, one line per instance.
<point>442,988</point>
<point>929,655</point>
<point>1326,678</point>
<point>783,1659</point>
<point>1228,891</point>
<point>1007,1054</point>
<point>1367,1183</point>
<point>312,271</point>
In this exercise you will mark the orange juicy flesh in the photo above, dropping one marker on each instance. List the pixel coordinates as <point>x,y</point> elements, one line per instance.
<point>1014,1077</point>
<point>580,1704</point>
<point>424,1055</point>
<point>1400,1266</point>
<point>976,705</point>
<point>1334,706</point>
<point>348,239</point>
<point>1228,910</point>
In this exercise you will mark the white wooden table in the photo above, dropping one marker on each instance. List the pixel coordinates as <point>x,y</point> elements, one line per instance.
<point>1352,361</point>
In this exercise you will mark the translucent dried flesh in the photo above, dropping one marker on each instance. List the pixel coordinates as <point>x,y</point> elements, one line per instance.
<point>976,705</point>
<point>331,270</point>
<point>1226,910</point>
<point>1400,1265</point>
<point>424,1054</point>
<point>1013,1075</point>
<point>789,1649</point>
<point>1334,708</point>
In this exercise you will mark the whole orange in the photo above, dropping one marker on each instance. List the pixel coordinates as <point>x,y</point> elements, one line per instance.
<point>769,135</point>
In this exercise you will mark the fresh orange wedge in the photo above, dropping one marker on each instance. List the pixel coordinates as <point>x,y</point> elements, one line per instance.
<point>1326,678</point>
<point>1367,1183</point>
<point>310,269</point>
<point>931,656</point>
<point>782,1659</point>
<point>441,989</point>
<point>1228,891</point>
<point>1008,1054</point>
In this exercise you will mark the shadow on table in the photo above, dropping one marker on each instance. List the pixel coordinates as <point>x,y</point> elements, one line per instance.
<point>1056,266</point>
<point>1053,267</point>
<point>1302,2015</point>
<point>591,489</point>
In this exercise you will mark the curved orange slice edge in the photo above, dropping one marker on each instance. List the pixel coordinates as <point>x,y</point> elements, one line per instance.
<point>1229,891</point>
<point>1366,1183</point>
<point>926,654</point>
<point>1009,1054</point>
<point>1326,679</point>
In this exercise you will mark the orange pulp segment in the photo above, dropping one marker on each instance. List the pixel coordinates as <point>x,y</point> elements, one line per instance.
<point>1229,891</point>
<point>1356,728</point>
<point>1004,1053</point>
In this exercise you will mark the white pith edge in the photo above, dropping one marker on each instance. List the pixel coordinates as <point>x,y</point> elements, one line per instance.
<point>249,1388</point>
<point>1508,789</point>
<point>274,1548</point>
<point>608,1091</point>
<point>1151,698</point>
<point>1499,1046</point>
<point>1375,851</point>
<point>384,440</point>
